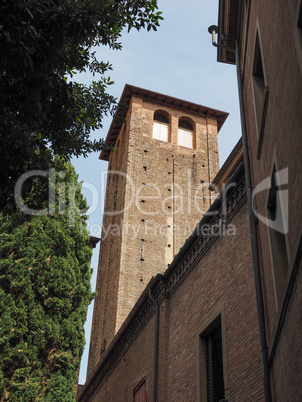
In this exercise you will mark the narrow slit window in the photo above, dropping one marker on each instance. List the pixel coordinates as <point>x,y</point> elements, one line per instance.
<point>260,92</point>
<point>140,393</point>
<point>299,22</point>
<point>213,361</point>
<point>215,384</point>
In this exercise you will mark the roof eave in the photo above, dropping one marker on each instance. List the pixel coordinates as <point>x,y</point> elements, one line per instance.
<point>228,25</point>
<point>156,97</point>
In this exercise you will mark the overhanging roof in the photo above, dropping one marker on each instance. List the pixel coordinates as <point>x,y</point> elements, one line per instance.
<point>228,25</point>
<point>160,99</point>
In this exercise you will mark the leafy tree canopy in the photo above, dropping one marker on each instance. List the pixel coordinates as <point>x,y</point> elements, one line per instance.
<point>43,42</point>
<point>44,292</point>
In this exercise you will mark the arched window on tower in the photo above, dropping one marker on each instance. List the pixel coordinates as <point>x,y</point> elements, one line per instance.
<point>160,127</point>
<point>185,133</point>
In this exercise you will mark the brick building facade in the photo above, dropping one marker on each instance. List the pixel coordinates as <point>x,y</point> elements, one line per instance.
<point>157,190</point>
<point>269,65</point>
<point>196,331</point>
<point>187,335</point>
<point>205,297</point>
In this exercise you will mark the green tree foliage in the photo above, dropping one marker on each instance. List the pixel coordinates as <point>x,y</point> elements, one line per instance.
<point>43,43</point>
<point>44,292</point>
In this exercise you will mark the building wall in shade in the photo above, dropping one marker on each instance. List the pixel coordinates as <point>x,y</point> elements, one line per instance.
<point>269,35</point>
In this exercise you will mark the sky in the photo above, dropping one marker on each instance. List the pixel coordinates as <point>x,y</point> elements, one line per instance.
<point>177,60</point>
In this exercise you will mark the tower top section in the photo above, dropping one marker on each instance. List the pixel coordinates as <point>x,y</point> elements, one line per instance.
<point>160,99</point>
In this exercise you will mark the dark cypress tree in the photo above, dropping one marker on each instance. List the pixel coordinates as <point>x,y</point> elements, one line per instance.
<point>44,291</point>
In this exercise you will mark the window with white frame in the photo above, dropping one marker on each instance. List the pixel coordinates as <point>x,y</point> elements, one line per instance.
<point>185,133</point>
<point>160,127</point>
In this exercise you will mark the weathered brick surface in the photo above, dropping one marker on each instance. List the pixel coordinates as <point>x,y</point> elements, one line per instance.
<point>108,272</point>
<point>134,366</point>
<point>222,277</point>
<point>287,366</point>
<point>162,189</point>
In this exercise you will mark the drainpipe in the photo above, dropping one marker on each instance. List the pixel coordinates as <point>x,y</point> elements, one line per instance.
<point>253,220</point>
<point>155,345</point>
<point>208,152</point>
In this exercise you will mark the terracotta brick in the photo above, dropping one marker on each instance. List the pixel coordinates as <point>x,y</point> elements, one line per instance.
<point>161,189</point>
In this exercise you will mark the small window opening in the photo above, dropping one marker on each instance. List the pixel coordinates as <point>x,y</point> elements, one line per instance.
<point>185,124</point>
<point>161,118</point>
<point>140,392</point>
<point>215,384</point>
<point>258,83</point>
<point>185,133</point>
<point>160,127</point>
<point>299,23</point>
<point>260,92</point>
<point>213,360</point>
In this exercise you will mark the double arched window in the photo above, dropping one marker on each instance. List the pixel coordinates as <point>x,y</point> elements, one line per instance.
<point>160,127</point>
<point>185,133</point>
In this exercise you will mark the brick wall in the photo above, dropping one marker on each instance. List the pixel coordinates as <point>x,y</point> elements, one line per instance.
<point>223,276</point>
<point>109,260</point>
<point>162,189</point>
<point>219,276</point>
<point>155,221</point>
<point>281,46</point>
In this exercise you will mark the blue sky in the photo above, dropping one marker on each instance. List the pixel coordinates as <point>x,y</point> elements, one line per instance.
<point>177,60</point>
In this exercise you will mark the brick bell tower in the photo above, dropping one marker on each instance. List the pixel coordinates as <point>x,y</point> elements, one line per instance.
<point>166,154</point>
